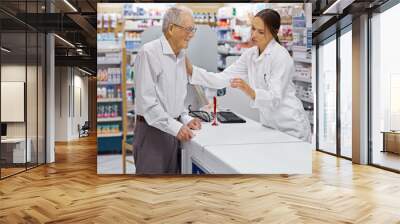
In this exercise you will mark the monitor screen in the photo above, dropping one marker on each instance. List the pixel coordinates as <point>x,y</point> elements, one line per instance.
<point>3,129</point>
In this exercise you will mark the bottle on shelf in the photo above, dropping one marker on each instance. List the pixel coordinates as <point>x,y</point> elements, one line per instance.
<point>112,112</point>
<point>99,111</point>
<point>104,111</point>
<point>118,92</point>
<point>116,110</point>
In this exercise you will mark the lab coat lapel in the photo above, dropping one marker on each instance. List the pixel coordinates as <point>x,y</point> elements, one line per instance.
<point>263,64</point>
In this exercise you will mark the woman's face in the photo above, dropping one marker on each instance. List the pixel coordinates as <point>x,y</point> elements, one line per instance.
<point>259,33</point>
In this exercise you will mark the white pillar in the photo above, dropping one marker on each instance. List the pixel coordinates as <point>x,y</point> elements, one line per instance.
<point>50,99</point>
<point>360,90</point>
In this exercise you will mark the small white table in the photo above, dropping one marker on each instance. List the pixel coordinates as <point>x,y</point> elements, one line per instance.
<point>246,148</point>
<point>18,150</point>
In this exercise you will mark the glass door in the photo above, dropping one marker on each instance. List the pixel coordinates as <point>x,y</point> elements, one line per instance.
<point>346,93</point>
<point>326,78</point>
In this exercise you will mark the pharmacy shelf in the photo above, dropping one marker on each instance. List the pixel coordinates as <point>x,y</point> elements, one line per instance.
<point>110,119</point>
<point>225,29</point>
<point>223,17</point>
<point>107,83</point>
<point>134,29</point>
<point>109,63</point>
<point>109,50</point>
<point>304,60</point>
<point>306,100</point>
<point>142,17</point>
<point>300,48</point>
<point>133,51</point>
<point>301,79</point>
<point>119,134</point>
<point>109,100</point>
<point>228,41</point>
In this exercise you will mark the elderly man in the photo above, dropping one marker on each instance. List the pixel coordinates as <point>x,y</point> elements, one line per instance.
<point>160,88</point>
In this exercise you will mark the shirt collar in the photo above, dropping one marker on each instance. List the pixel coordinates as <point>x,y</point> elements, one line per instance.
<point>270,46</point>
<point>267,50</point>
<point>166,48</point>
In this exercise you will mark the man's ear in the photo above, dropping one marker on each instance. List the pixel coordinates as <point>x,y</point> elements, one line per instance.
<point>170,27</point>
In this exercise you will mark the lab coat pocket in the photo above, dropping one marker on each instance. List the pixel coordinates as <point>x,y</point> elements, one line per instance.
<point>267,73</point>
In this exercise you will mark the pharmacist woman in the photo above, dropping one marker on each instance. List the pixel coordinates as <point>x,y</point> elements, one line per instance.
<point>264,73</point>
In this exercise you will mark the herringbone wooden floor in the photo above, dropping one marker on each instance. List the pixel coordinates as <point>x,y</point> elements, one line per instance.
<point>70,191</point>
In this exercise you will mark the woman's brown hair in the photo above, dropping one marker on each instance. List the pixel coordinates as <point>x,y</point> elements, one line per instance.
<point>272,21</point>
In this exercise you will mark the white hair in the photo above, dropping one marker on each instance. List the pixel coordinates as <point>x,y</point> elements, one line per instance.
<point>174,16</point>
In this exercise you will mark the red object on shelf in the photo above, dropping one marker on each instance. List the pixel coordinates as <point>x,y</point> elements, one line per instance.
<point>215,112</point>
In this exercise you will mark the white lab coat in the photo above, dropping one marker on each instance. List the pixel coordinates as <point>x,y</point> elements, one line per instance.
<point>270,75</point>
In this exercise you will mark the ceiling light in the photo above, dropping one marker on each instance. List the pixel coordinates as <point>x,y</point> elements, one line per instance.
<point>70,5</point>
<point>5,49</point>
<point>65,41</point>
<point>338,6</point>
<point>86,72</point>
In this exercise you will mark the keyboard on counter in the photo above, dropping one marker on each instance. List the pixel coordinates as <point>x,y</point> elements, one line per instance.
<point>229,117</point>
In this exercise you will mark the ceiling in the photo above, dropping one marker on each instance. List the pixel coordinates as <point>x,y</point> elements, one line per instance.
<point>79,27</point>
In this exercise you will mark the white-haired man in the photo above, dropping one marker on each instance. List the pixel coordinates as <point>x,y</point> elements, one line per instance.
<point>160,89</point>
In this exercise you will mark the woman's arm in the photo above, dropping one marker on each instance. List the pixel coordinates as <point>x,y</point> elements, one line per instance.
<point>242,85</point>
<point>199,76</point>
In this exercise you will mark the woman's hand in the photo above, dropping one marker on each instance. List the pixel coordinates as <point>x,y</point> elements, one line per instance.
<point>189,66</point>
<point>242,85</point>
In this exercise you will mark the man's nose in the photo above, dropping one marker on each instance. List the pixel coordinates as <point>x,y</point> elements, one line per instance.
<point>191,34</point>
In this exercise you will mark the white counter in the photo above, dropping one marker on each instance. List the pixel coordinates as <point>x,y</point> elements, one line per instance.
<point>247,148</point>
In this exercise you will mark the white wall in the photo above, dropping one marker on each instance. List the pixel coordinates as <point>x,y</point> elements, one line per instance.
<point>80,94</point>
<point>61,103</point>
<point>69,85</point>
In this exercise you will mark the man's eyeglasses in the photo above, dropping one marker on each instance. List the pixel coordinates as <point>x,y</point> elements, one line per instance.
<point>187,29</point>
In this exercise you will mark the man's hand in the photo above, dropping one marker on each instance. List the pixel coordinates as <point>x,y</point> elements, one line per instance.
<point>189,66</point>
<point>242,85</point>
<point>184,134</point>
<point>194,124</point>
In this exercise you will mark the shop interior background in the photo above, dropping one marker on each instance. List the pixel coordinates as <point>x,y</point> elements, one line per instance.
<point>119,30</point>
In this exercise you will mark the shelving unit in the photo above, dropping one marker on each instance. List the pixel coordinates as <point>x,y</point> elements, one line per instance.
<point>119,134</point>
<point>109,100</point>
<point>109,86</point>
<point>110,119</point>
<point>301,51</point>
<point>227,44</point>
